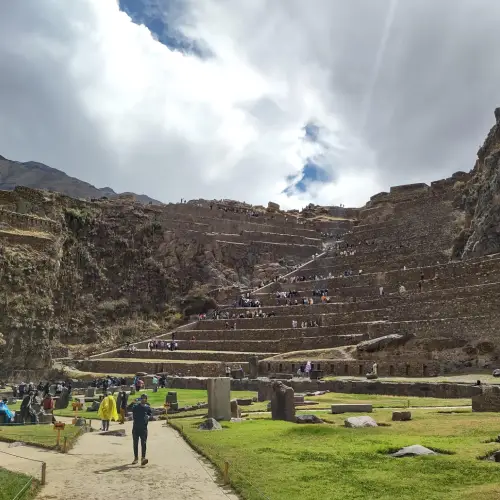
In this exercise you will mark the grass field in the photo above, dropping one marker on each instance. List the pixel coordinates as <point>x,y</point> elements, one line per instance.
<point>281,460</point>
<point>193,396</point>
<point>37,435</point>
<point>12,483</point>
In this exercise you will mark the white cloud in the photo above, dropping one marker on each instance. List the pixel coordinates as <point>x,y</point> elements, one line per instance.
<point>86,90</point>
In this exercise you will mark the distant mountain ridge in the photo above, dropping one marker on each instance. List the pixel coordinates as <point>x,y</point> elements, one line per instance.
<point>39,176</point>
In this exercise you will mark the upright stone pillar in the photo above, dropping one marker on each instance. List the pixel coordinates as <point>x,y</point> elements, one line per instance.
<point>283,402</point>
<point>219,398</point>
<point>253,364</point>
<point>265,390</point>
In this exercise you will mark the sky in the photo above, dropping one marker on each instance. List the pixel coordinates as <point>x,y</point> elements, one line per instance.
<point>325,101</point>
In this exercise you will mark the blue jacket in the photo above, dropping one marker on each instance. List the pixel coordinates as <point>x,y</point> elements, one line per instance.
<point>141,415</point>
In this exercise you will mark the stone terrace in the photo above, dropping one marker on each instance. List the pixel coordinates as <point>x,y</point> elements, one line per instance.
<point>234,228</point>
<point>450,320</point>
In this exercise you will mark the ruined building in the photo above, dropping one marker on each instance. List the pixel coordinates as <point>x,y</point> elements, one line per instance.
<point>420,296</point>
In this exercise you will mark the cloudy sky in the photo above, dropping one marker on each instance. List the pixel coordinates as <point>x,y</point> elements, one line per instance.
<point>292,101</point>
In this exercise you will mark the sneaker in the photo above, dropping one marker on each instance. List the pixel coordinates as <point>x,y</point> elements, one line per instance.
<point>144,461</point>
<point>135,461</point>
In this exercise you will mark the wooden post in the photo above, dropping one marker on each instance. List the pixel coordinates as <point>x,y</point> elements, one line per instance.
<point>58,442</point>
<point>65,445</point>
<point>226,472</point>
<point>44,473</point>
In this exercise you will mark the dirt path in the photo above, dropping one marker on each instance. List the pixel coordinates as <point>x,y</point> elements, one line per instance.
<point>100,467</point>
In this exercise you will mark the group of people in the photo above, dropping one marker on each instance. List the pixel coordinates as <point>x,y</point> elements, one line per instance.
<point>247,302</point>
<point>31,405</point>
<point>115,410</point>
<point>20,390</point>
<point>304,324</point>
<point>161,345</point>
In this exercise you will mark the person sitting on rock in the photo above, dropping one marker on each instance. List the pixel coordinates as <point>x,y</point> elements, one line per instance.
<point>8,415</point>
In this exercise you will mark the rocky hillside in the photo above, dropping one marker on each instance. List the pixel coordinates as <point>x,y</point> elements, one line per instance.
<point>39,176</point>
<point>480,198</point>
<point>87,275</point>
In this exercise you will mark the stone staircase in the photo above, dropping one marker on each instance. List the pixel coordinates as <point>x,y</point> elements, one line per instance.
<point>450,323</point>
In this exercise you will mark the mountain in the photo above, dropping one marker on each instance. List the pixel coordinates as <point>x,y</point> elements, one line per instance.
<point>39,176</point>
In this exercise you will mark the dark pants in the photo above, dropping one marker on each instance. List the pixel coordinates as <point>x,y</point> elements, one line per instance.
<point>105,425</point>
<point>142,434</point>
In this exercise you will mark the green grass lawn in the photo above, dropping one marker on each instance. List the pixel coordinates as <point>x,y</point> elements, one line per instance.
<point>37,435</point>
<point>281,460</point>
<point>12,483</point>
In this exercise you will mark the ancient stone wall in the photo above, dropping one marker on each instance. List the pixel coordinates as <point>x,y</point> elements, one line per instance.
<point>29,222</point>
<point>409,389</point>
<point>132,366</point>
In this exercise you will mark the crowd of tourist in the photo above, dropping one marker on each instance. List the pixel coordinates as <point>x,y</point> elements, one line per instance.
<point>162,345</point>
<point>304,324</point>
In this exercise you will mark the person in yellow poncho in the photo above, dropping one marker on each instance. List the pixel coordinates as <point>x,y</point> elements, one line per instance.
<point>107,411</point>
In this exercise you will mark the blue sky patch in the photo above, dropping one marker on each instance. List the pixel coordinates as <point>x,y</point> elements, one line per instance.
<point>161,22</point>
<point>311,172</point>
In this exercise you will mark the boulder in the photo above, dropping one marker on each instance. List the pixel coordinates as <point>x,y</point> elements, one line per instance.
<point>308,419</point>
<point>401,416</point>
<point>210,424</point>
<point>357,422</point>
<point>413,451</point>
<point>393,340</point>
<point>496,373</point>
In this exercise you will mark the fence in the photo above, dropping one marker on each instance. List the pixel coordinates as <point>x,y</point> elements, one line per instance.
<point>229,474</point>
<point>34,470</point>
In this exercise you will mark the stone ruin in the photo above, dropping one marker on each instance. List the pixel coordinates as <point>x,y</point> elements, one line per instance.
<point>282,402</point>
<point>351,272</point>
<point>219,398</point>
<point>488,400</point>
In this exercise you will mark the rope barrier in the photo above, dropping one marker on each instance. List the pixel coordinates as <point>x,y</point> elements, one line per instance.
<point>23,489</point>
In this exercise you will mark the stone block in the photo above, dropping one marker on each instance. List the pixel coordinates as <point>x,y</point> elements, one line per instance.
<point>90,392</point>
<point>235,409</point>
<point>352,408</point>
<point>298,398</point>
<point>210,424</point>
<point>357,422</point>
<point>282,402</point>
<point>253,364</point>
<point>264,391</point>
<point>171,397</point>
<point>245,401</point>
<point>308,419</point>
<point>62,401</point>
<point>401,416</point>
<point>219,398</point>
<point>488,400</point>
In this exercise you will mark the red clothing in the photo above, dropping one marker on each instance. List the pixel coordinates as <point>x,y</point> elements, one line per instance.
<point>48,404</point>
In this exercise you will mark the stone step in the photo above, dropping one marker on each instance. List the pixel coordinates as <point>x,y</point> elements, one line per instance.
<point>171,367</point>
<point>372,265</point>
<point>398,312</point>
<point>190,355</point>
<point>453,270</point>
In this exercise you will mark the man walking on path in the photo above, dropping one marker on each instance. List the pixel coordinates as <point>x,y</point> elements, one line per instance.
<point>141,413</point>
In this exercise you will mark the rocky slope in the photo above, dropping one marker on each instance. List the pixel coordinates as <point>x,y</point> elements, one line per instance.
<point>109,272</point>
<point>39,176</point>
<point>480,198</point>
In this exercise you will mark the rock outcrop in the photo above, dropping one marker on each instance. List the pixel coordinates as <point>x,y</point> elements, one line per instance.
<point>480,199</point>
